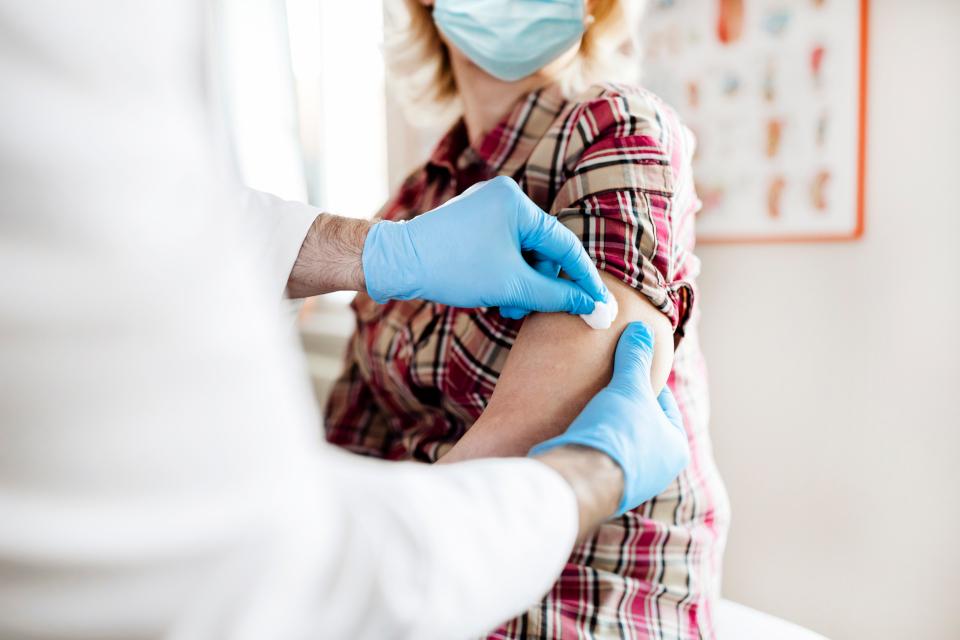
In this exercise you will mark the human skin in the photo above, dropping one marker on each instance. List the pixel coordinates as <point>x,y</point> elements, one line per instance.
<point>555,366</point>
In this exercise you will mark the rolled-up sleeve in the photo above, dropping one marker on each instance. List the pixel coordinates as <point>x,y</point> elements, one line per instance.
<point>627,188</point>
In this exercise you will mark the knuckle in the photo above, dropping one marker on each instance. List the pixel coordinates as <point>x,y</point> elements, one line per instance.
<point>504,184</point>
<point>625,384</point>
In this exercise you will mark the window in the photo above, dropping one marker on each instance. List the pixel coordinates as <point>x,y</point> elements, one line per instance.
<point>303,97</point>
<point>338,74</point>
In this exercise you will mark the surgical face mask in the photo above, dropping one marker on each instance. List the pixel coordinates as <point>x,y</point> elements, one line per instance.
<point>510,39</point>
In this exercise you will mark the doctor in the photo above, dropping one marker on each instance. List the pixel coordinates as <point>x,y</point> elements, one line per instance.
<point>160,474</point>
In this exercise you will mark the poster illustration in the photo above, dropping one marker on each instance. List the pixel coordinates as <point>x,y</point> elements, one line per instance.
<point>773,90</point>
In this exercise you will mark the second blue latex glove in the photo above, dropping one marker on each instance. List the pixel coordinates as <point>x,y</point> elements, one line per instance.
<point>469,253</point>
<point>641,432</point>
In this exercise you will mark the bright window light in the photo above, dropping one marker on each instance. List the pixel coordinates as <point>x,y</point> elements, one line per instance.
<point>338,70</point>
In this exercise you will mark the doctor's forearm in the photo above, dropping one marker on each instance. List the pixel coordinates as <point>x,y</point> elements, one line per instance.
<point>330,257</point>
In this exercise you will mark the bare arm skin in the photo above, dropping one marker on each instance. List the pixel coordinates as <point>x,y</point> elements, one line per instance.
<point>330,257</point>
<point>555,366</point>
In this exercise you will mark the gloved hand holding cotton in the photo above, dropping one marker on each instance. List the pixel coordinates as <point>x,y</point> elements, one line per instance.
<point>487,229</point>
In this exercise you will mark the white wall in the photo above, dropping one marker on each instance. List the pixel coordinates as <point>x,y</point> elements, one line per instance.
<point>834,372</point>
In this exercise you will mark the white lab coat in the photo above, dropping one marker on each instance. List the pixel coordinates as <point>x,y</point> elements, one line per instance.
<point>161,473</point>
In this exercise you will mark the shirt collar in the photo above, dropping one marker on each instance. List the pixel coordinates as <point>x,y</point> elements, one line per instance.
<point>507,147</point>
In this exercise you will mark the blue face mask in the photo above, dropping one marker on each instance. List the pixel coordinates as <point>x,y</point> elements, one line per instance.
<point>510,39</point>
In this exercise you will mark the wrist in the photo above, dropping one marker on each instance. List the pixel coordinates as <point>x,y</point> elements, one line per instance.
<point>389,262</point>
<point>330,257</point>
<point>597,482</point>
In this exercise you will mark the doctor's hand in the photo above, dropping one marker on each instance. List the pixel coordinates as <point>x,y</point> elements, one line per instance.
<point>640,432</point>
<point>469,253</point>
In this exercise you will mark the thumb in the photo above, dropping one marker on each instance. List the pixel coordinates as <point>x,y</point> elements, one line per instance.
<point>634,357</point>
<point>551,294</point>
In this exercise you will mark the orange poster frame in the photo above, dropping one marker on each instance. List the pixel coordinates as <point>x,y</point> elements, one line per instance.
<point>860,220</point>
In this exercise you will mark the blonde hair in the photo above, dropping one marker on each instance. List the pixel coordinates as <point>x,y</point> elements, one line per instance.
<point>420,75</point>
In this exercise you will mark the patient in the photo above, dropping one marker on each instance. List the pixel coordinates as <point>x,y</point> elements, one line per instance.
<point>433,383</point>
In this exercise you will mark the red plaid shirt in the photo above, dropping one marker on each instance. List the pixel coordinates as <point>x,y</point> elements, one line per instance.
<point>614,166</point>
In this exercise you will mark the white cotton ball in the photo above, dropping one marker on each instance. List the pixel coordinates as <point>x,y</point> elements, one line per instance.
<point>603,314</point>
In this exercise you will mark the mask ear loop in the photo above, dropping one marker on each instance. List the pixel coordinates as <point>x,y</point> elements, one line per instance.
<point>588,20</point>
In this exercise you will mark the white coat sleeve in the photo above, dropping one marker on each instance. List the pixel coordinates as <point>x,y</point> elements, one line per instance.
<point>160,468</point>
<point>280,226</point>
<point>419,552</point>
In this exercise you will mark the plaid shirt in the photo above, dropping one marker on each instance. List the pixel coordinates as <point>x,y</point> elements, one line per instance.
<point>614,166</point>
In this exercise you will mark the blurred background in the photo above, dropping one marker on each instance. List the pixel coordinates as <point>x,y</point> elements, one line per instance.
<point>833,353</point>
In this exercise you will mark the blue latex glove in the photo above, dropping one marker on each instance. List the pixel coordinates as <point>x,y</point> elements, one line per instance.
<point>642,433</point>
<point>468,253</point>
<point>540,263</point>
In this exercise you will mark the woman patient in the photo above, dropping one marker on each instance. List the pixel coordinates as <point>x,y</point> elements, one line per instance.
<point>433,383</point>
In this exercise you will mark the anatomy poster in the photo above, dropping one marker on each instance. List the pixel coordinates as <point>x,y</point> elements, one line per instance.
<point>772,90</point>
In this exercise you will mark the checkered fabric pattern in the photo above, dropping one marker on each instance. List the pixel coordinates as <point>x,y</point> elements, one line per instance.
<point>614,166</point>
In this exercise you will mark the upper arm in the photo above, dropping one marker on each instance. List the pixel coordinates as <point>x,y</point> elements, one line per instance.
<point>626,195</point>
<point>555,366</point>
